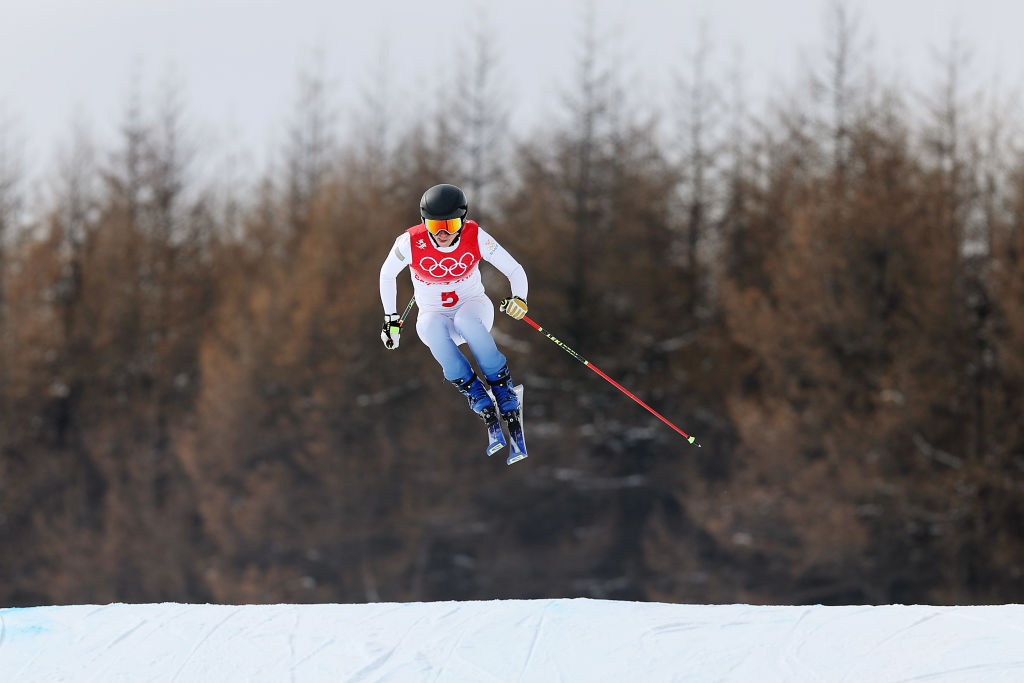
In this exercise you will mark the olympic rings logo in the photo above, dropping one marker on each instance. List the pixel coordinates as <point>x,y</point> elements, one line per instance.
<point>447,266</point>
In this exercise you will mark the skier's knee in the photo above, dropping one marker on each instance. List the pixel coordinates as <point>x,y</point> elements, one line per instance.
<point>431,327</point>
<point>469,328</point>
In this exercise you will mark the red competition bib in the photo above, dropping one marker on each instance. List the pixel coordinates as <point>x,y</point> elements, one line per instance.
<point>436,267</point>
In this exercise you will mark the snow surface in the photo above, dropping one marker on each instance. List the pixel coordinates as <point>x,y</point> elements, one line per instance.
<point>512,640</point>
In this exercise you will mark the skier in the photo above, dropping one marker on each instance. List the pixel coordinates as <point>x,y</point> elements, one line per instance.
<point>443,254</point>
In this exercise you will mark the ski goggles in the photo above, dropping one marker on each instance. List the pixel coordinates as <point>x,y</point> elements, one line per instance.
<point>450,226</point>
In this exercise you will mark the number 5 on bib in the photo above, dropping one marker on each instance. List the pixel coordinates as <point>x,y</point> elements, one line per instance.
<point>449,299</point>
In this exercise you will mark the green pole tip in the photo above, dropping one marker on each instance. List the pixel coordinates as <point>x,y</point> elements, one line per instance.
<point>691,439</point>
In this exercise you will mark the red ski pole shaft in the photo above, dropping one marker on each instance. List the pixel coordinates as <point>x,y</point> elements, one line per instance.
<point>618,386</point>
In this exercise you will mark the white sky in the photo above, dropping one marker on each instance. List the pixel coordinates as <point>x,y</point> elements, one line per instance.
<point>238,61</point>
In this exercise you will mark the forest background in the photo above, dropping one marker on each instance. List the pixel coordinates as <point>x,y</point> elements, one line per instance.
<point>825,288</point>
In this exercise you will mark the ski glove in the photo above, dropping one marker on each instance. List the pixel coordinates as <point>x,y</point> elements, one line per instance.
<point>514,306</point>
<point>391,330</point>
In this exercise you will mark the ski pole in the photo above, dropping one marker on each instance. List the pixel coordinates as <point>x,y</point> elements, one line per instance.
<point>613,382</point>
<point>405,314</point>
<point>401,321</point>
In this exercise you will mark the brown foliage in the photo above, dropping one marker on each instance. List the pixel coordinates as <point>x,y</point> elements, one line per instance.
<point>193,411</point>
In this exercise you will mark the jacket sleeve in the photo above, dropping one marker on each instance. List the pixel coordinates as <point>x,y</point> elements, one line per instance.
<point>496,255</point>
<point>397,259</point>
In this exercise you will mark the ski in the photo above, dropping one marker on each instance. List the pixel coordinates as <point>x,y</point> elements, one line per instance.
<point>495,437</point>
<point>514,422</point>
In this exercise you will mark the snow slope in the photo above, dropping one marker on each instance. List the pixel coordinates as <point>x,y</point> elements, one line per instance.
<point>515,640</point>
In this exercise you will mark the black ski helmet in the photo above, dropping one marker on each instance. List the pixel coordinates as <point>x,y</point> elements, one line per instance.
<point>442,202</point>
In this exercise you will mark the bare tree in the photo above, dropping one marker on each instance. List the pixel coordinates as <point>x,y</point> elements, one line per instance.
<point>953,137</point>
<point>12,173</point>
<point>170,157</point>
<point>841,81</point>
<point>482,117</point>
<point>11,204</point>
<point>589,108</point>
<point>311,150</point>
<point>127,174</point>
<point>374,121</point>
<point>701,114</point>
<point>76,193</point>
<point>732,236</point>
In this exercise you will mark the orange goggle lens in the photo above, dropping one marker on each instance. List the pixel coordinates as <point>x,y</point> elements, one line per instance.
<point>450,226</point>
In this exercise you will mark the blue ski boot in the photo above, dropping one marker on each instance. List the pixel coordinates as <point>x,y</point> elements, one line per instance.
<point>509,400</point>
<point>504,391</point>
<point>480,403</point>
<point>473,389</point>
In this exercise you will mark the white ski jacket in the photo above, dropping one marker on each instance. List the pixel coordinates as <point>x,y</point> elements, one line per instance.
<point>443,278</point>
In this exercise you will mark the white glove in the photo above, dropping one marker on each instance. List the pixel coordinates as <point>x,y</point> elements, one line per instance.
<point>514,306</point>
<point>391,330</point>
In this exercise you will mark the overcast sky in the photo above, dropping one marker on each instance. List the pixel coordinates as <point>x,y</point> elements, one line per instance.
<point>237,61</point>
